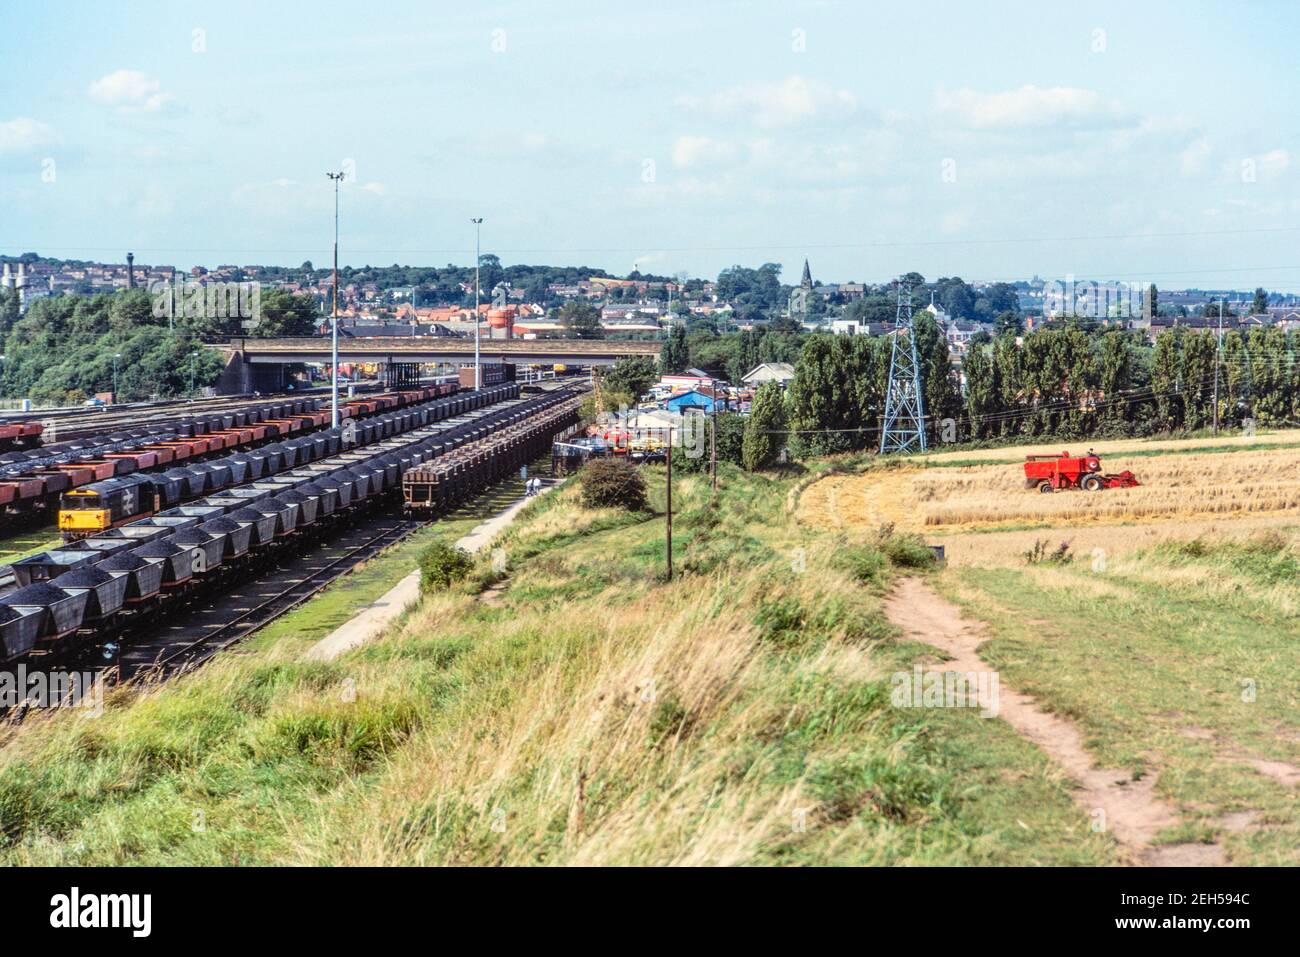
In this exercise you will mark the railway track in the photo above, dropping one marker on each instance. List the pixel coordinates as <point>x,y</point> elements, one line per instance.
<point>7,576</point>
<point>165,640</point>
<point>64,425</point>
<point>212,625</point>
<point>167,648</point>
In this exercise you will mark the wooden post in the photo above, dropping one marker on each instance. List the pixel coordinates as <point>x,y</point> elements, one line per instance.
<point>668,525</point>
<point>713,442</point>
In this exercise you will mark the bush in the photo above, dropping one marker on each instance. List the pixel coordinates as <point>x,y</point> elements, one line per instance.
<point>866,564</point>
<point>904,550</point>
<point>607,483</point>
<point>442,565</point>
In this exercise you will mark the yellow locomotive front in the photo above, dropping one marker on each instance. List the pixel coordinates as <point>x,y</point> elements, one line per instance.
<point>83,513</point>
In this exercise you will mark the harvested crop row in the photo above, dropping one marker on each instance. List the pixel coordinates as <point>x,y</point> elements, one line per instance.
<point>1258,481</point>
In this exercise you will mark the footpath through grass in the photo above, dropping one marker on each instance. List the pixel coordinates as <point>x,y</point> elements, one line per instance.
<point>569,707</point>
<point>1179,662</point>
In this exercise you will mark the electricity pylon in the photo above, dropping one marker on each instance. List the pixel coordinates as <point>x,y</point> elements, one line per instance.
<point>904,427</point>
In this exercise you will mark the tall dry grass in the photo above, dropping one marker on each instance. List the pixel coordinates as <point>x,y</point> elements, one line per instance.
<point>633,739</point>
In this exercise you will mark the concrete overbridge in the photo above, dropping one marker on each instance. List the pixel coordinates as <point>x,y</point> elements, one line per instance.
<point>261,365</point>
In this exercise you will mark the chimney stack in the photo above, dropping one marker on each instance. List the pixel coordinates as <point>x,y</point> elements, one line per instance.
<point>130,270</point>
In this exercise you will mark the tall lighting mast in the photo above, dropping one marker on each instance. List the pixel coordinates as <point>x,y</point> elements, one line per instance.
<point>478,257</point>
<point>334,325</point>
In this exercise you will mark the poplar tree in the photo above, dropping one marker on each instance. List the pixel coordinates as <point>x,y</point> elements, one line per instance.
<point>764,431</point>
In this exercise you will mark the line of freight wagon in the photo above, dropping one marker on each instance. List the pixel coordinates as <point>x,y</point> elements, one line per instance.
<point>99,506</point>
<point>20,435</point>
<point>447,480</point>
<point>31,482</point>
<point>96,588</point>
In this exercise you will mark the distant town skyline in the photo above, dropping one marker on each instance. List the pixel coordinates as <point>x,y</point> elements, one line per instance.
<point>686,137</point>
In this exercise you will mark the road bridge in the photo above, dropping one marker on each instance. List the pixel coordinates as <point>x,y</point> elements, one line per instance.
<point>261,364</point>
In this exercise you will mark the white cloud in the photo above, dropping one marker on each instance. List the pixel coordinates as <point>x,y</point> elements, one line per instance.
<point>22,135</point>
<point>702,151</point>
<point>130,91</point>
<point>1272,163</point>
<point>795,99</point>
<point>287,196</point>
<point>1029,106</point>
<point>955,222</point>
<point>1193,159</point>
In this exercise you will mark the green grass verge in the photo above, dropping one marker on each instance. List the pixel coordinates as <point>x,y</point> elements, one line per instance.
<point>582,711</point>
<point>1177,662</point>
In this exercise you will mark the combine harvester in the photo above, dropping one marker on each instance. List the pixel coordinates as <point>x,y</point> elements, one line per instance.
<point>1050,473</point>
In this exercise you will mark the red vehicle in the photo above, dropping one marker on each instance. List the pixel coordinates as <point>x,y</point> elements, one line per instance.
<point>1048,473</point>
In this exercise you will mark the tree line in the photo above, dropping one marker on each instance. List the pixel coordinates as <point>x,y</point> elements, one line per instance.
<point>61,350</point>
<point>1066,383</point>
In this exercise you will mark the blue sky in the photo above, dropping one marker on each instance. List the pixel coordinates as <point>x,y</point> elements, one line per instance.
<point>990,141</point>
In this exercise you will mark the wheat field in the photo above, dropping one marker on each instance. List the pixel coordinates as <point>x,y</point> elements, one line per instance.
<point>1119,447</point>
<point>981,510</point>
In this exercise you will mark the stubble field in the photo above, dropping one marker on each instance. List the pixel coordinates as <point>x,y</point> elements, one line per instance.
<point>1159,622</point>
<point>977,505</point>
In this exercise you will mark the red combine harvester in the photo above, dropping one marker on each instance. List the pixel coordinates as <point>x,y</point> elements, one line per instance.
<point>1048,473</point>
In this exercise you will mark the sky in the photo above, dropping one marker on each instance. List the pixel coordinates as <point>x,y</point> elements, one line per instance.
<point>1150,142</point>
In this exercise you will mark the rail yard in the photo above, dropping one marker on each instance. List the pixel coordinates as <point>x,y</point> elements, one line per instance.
<point>166,563</point>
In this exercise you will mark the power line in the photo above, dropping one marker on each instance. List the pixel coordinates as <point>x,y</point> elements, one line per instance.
<point>884,244</point>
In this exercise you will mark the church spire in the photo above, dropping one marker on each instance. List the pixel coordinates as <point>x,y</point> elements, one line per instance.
<point>806,281</point>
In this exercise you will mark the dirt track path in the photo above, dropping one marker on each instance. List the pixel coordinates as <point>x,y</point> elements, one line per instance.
<point>1133,814</point>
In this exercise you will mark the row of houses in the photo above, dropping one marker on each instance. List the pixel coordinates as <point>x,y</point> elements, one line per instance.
<point>694,392</point>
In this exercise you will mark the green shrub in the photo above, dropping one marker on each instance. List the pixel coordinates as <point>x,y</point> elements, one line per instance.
<point>607,483</point>
<point>864,563</point>
<point>907,552</point>
<point>442,565</point>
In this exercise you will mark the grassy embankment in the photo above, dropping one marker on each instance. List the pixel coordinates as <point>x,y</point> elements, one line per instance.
<point>1177,661</point>
<point>1171,643</point>
<point>582,710</point>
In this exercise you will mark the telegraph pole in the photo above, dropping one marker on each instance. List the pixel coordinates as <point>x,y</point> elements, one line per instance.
<point>713,439</point>
<point>668,525</point>
<point>478,257</point>
<point>1218,355</point>
<point>334,326</point>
